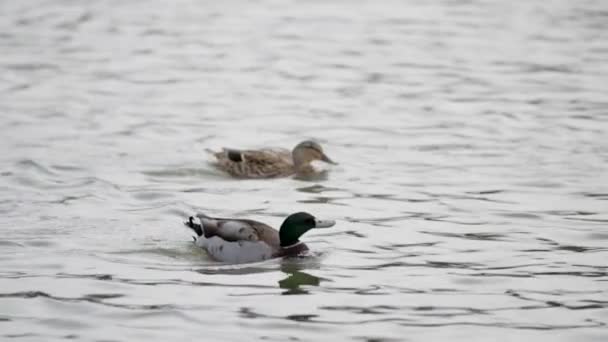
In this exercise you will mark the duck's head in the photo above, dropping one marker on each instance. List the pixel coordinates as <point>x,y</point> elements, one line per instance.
<point>295,225</point>
<point>307,151</point>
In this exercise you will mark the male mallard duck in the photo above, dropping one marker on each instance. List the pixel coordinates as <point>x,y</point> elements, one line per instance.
<point>240,241</point>
<point>271,162</point>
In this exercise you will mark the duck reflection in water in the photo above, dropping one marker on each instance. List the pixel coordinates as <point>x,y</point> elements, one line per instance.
<point>296,278</point>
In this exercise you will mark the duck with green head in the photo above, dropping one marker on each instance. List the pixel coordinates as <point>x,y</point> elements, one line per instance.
<point>242,240</point>
<point>272,162</point>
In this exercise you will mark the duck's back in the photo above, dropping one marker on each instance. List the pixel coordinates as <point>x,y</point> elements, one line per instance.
<point>235,230</point>
<point>263,163</point>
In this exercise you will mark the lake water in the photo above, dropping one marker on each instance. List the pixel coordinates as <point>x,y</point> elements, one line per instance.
<point>471,198</point>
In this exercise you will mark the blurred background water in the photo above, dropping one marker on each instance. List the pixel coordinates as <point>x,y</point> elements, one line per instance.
<point>471,195</point>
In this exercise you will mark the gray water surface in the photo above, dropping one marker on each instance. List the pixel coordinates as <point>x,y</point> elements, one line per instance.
<point>471,198</point>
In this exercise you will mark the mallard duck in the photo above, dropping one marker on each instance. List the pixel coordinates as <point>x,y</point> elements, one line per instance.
<point>241,240</point>
<point>271,162</point>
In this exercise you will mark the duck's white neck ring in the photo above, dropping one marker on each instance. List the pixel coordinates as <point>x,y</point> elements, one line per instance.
<point>293,245</point>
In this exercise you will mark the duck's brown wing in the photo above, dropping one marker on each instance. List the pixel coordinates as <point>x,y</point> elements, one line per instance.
<point>264,163</point>
<point>239,230</point>
<point>266,233</point>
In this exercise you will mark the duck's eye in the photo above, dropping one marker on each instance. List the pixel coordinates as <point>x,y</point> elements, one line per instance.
<point>311,221</point>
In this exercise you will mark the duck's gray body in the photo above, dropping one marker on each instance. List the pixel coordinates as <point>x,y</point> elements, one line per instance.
<point>240,241</point>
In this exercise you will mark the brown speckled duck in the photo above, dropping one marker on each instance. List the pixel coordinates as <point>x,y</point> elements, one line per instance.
<point>271,162</point>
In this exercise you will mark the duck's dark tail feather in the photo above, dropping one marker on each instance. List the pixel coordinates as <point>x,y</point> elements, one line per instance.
<point>198,229</point>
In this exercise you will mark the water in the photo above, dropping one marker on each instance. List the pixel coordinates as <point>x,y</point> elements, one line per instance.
<point>471,196</point>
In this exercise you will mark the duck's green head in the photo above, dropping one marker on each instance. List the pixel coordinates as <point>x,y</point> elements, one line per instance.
<point>295,225</point>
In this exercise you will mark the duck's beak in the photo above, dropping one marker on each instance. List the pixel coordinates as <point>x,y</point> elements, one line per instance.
<point>324,223</point>
<point>326,159</point>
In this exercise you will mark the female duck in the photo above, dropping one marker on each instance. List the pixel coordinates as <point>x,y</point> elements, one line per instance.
<point>271,162</point>
<point>241,241</point>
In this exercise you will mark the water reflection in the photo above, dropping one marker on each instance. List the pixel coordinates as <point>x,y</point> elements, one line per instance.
<point>296,278</point>
<point>315,177</point>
